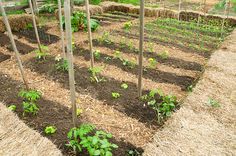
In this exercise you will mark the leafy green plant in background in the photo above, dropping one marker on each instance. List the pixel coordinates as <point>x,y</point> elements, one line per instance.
<point>93,141</point>
<point>41,55</point>
<point>115,95</point>
<point>12,107</point>
<point>29,101</point>
<point>48,8</point>
<point>134,2</point>
<point>95,74</point>
<point>62,64</point>
<point>50,130</point>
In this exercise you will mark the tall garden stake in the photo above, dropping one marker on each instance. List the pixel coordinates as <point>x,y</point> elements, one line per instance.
<point>13,45</point>
<point>61,29</point>
<point>199,16</point>
<point>70,59</point>
<point>89,33</point>
<point>35,25</point>
<point>223,21</point>
<point>179,9</point>
<point>141,16</point>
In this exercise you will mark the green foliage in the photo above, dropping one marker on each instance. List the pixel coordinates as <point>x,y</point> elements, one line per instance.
<point>62,64</point>
<point>152,63</point>
<point>133,152</point>
<point>13,12</point>
<point>48,8</point>
<point>95,2</point>
<point>79,22</point>
<point>79,111</point>
<point>134,2</point>
<point>212,102</point>
<point>124,86</point>
<point>130,64</point>
<point>95,142</point>
<point>150,47</point>
<point>95,74</point>
<point>220,5</point>
<point>12,107</point>
<point>41,55</point>
<point>115,95</point>
<point>127,26</point>
<point>162,104</point>
<point>50,129</point>
<point>117,55</point>
<point>163,55</point>
<point>105,38</point>
<point>29,26</point>
<point>97,54</point>
<point>190,88</point>
<point>29,101</point>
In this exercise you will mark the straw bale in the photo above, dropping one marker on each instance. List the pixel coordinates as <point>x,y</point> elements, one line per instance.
<point>18,139</point>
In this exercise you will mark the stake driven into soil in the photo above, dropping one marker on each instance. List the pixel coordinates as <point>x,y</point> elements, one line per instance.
<point>223,20</point>
<point>89,33</point>
<point>70,60</point>
<point>141,48</point>
<point>61,30</point>
<point>14,45</point>
<point>179,9</point>
<point>35,25</point>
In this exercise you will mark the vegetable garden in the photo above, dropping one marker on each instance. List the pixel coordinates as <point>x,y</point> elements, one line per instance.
<point>96,108</point>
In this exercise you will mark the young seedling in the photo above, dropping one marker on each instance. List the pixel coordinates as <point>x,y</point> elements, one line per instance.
<point>105,38</point>
<point>95,71</point>
<point>212,102</point>
<point>123,42</point>
<point>12,108</point>
<point>150,47</point>
<point>130,64</point>
<point>97,54</point>
<point>133,152</point>
<point>30,98</point>
<point>62,64</point>
<point>127,26</point>
<point>124,86</point>
<point>117,55</point>
<point>87,138</point>
<point>115,95</point>
<point>163,55</point>
<point>107,58</point>
<point>50,130</point>
<point>152,63</point>
<point>79,111</point>
<point>190,88</point>
<point>41,55</point>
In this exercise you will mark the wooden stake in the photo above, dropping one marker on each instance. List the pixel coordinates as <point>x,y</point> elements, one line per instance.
<point>35,25</point>
<point>223,21</point>
<point>179,9</point>
<point>141,48</point>
<point>14,45</point>
<point>198,18</point>
<point>61,30</point>
<point>70,60</point>
<point>89,33</point>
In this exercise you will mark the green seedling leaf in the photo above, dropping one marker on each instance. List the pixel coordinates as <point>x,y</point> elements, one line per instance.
<point>12,107</point>
<point>50,130</point>
<point>124,86</point>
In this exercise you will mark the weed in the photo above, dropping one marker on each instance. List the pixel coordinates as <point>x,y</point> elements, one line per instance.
<point>212,102</point>
<point>95,71</point>
<point>124,86</point>
<point>95,142</point>
<point>152,63</point>
<point>12,107</point>
<point>50,130</point>
<point>115,95</point>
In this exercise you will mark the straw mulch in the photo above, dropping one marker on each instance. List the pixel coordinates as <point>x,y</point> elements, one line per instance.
<point>17,22</point>
<point>18,139</point>
<point>200,129</point>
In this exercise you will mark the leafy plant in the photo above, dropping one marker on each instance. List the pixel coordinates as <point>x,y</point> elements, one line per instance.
<point>150,47</point>
<point>117,55</point>
<point>212,102</point>
<point>79,111</point>
<point>127,26</point>
<point>95,77</point>
<point>115,95</point>
<point>48,8</point>
<point>62,64</point>
<point>41,54</point>
<point>29,101</point>
<point>105,38</point>
<point>152,63</point>
<point>29,26</point>
<point>124,86</point>
<point>133,152</point>
<point>107,58</point>
<point>129,64</point>
<point>190,88</point>
<point>12,107</point>
<point>95,142</point>
<point>164,54</point>
<point>50,129</point>
<point>97,54</point>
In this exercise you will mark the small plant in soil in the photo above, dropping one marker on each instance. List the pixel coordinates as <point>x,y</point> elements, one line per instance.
<point>130,64</point>
<point>95,74</point>
<point>97,54</point>
<point>29,26</point>
<point>94,142</point>
<point>133,152</point>
<point>12,108</point>
<point>163,105</point>
<point>105,38</point>
<point>107,58</point>
<point>190,88</point>
<point>123,42</point>
<point>41,55</point>
<point>115,95</point>
<point>163,55</point>
<point>79,111</point>
<point>124,86</point>
<point>50,130</point>
<point>127,26</point>
<point>62,64</point>
<point>117,55</point>
<point>212,102</point>
<point>150,47</point>
<point>29,101</point>
<point>152,63</point>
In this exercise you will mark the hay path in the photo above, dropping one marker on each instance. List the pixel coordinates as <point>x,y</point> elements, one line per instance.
<point>198,129</point>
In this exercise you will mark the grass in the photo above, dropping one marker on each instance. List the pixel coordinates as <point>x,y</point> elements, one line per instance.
<point>14,12</point>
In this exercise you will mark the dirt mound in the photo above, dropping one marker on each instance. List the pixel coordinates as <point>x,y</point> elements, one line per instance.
<point>198,128</point>
<point>18,139</point>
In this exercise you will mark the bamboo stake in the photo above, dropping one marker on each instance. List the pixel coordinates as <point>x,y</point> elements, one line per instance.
<point>223,21</point>
<point>204,10</point>
<point>70,60</point>
<point>35,26</point>
<point>141,48</point>
<point>198,18</point>
<point>61,29</point>
<point>14,45</point>
<point>179,9</point>
<point>89,33</point>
